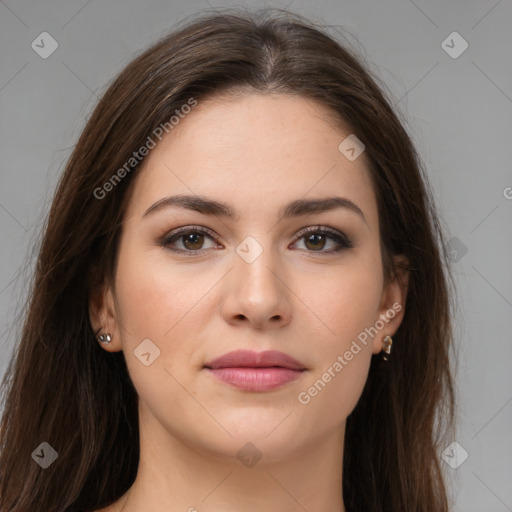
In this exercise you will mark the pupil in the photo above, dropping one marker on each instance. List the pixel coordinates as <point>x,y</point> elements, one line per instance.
<point>311,237</point>
<point>192,238</point>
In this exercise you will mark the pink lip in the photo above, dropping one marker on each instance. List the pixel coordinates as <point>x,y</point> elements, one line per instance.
<point>255,371</point>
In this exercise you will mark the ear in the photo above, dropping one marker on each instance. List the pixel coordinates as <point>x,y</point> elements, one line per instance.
<point>102,315</point>
<point>392,305</point>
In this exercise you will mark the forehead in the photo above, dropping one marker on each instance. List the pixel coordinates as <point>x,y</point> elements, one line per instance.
<point>257,152</point>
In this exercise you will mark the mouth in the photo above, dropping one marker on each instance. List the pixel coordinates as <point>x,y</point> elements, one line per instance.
<point>255,371</point>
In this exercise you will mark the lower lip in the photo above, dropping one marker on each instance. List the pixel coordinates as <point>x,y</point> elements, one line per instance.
<point>256,379</point>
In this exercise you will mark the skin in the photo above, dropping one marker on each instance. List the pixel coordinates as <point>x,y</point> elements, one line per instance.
<point>257,153</point>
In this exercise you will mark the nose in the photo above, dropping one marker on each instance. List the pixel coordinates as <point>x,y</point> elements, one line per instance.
<point>257,293</point>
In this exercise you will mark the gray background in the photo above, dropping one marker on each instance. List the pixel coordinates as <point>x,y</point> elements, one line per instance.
<point>458,110</point>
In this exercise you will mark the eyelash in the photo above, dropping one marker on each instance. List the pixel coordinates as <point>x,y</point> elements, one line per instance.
<point>340,238</point>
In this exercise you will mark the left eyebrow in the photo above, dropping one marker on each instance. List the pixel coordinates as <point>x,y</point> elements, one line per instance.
<point>296,208</point>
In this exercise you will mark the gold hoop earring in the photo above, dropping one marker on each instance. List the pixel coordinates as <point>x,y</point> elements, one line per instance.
<point>103,338</point>
<point>387,342</point>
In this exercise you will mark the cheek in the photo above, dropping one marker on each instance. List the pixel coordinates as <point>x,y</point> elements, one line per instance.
<point>168,303</point>
<point>343,300</point>
<point>347,301</point>
<point>159,302</point>
<point>156,298</point>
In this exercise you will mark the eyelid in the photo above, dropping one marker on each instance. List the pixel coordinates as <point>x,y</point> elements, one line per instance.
<point>322,229</point>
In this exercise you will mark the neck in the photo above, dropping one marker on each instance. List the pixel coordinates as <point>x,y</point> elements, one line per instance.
<point>174,475</point>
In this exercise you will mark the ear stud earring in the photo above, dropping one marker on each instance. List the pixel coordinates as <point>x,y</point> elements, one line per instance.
<point>103,338</point>
<point>387,343</point>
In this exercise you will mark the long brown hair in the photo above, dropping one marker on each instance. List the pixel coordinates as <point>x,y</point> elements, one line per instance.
<point>63,389</point>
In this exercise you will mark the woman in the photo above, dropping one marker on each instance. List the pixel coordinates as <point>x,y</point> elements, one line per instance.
<point>241,299</point>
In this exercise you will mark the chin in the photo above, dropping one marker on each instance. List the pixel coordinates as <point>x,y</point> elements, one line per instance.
<point>251,447</point>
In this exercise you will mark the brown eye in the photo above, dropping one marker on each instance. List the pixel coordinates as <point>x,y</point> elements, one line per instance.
<point>190,240</point>
<point>193,241</point>
<point>317,238</point>
<point>315,241</point>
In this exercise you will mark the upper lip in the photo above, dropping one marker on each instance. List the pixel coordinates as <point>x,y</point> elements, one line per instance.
<point>251,359</point>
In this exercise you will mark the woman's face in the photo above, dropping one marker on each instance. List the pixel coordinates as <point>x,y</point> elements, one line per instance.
<point>253,281</point>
